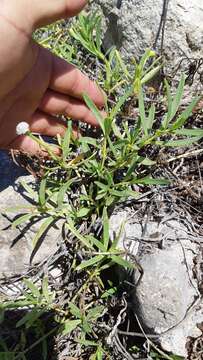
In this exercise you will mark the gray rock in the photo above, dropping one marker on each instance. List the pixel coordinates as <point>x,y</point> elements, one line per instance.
<point>165,295</point>
<point>166,300</point>
<point>133,26</point>
<point>16,246</point>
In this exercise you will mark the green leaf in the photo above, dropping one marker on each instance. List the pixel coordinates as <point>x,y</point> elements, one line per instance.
<point>95,312</point>
<point>66,141</point>
<point>132,167</point>
<point>90,262</point>
<point>120,261</point>
<point>189,132</point>
<point>99,354</point>
<point>185,114</point>
<point>45,289</point>
<point>105,220</point>
<point>42,192</point>
<point>61,194</point>
<point>179,143</point>
<point>168,116</point>
<point>150,181</point>
<point>22,219</point>
<point>101,185</point>
<point>109,293</point>
<point>95,111</point>
<point>75,311</point>
<point>177,98</point>
<point>32,287</point>
<point>100,195</point>
<point>150,74</point>
<point>32,194</point>
<point>151,117</point>
<point>96,242</point>
<point>43,228</point>
<point>87,342</point>
<point>146,161</point>
<point>120,102</point>
<point>88,140</point>
<point>69,326</point>
<point>142,112</point>
<point>124,193</point>
<point>98,33</point>
<point>84,239</point>
<point>83,212</point>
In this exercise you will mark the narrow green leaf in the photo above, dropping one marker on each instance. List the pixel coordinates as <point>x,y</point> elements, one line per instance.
<point>95,312</point>
<point>150,75</point>
<point>179,143</point>
<point>93,261</point>
<point>105,220</point>
<point>44,226</point>
<point>69,326</point>
<point>87,342</point>
<point>45,289</point>
<point>88,140</point>
<point>32,287</point>
<point>142,112</point>
<point>124,193</point>
<point>98,33</point>
<point>168,117</point>
<point>75,311</point>
<point>83,212</point>
<point>177,98</point>
<point>31,193</point>
<point>120,102</point>
<point>66,141</point>
<point>96,242</point>
<point>132,167</point>
<point>185,114</point>
<point>95,111</point>
<point>22,219</point>
<point>150,181</point>
<point>120,261</point>
<point>189,132</point>
<point>42,192</point>
<point>63,190</point>
<point>101,186</point>
<point>84,239</point>
<point>151,117</point>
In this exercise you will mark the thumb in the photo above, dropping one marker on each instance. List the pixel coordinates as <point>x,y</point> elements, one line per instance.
<point>47,11</point>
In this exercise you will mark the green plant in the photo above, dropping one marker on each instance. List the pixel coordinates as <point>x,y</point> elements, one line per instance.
<point>95,174</point>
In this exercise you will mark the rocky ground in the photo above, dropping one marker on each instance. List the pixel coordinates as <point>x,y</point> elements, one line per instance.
<point>159,308</point>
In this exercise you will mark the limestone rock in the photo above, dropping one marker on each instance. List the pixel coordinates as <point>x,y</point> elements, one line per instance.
<point>16,250</point>
<point>166,300</point>
<point>133,26</point>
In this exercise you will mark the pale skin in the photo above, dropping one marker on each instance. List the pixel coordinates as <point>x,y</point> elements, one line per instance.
<point>35,85</point>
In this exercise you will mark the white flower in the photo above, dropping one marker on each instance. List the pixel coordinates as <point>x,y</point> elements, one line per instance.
<point>22,128</point>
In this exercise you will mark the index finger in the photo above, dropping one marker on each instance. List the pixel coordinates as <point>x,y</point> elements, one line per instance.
<point>47,11</point>
<point>67,79</point>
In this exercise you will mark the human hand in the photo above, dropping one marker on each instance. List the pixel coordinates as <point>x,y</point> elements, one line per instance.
<point>35,85</point>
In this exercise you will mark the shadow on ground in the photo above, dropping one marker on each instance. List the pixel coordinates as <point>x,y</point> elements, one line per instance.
<point>29,341</point>
<point>9,171</point>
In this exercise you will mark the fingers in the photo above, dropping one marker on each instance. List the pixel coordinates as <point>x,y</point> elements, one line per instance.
<point>67,79</point>
<point>42,124</point>
<point>45,124</point>
<point>29,146</point>
<point>55,103</point>
<point>47,11</point>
